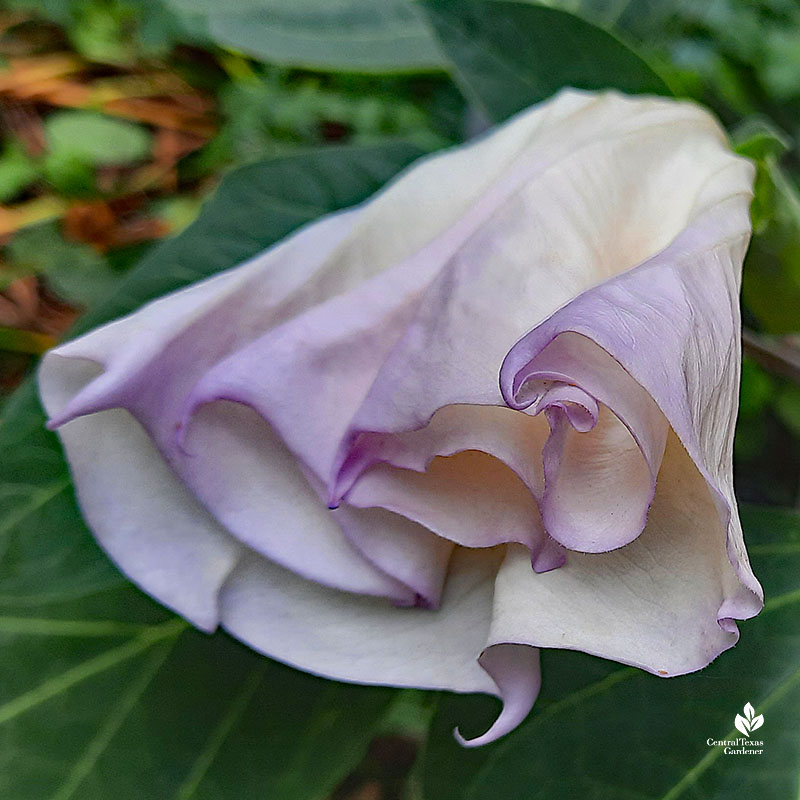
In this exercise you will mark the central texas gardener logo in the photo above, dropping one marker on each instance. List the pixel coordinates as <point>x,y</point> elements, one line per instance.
<point>749,722</point>
<point>744,745</point>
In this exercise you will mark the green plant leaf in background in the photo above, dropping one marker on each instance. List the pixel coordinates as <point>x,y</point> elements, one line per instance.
<point>338,35</point>
<point>508,55</point>
<point>95,139</point>
<point>105,694</point>
<point>17,171</point>
<point>76,271</point>
<point>601,731</point>
<point>117,31</point>
<point>267,112</point>
<point>771,279</point>
<point>762,142</point>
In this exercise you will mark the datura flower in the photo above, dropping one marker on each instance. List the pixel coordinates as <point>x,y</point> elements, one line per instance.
<point>489,410</point>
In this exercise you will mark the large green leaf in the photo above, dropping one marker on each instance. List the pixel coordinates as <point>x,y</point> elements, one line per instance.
<point>105,694</point>
<point>346,35</point>
<point>508,55</point>
<point>601,731</point>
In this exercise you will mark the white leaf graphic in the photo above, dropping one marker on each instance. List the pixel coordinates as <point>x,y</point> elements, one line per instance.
<point>749,711</point>
<point>757,722</point>
<point>742,725</point>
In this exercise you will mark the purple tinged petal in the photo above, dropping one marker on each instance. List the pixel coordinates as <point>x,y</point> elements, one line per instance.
<point>141,515</point>
<point>245,476</point>
<point>620,443</point>
<point>689,290</point>
<point>515,669</point>
<point>407,551</point>
<point>471,498</point>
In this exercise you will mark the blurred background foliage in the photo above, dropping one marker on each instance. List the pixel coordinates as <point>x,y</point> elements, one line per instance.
<point>118,118</point>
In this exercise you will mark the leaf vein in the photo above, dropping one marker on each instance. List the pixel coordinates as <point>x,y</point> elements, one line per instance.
<point>35,626</point>
<point>689,780</point>
<point>206,758</point>
<point>113,723</point>
<point>87,669</point>
<point>38,499</point>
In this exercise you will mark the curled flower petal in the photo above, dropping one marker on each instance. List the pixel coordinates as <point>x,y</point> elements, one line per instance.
<point>252,478</point>
<point>620,444</point>
<point>655,603</point>
<point>690,289</point>
<point>515,669</point>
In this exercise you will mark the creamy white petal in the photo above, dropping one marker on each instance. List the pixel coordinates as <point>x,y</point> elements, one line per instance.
<point>655,604</point>
<point>140,513</point>
<point>253,486</point>
<point>367,640</point>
